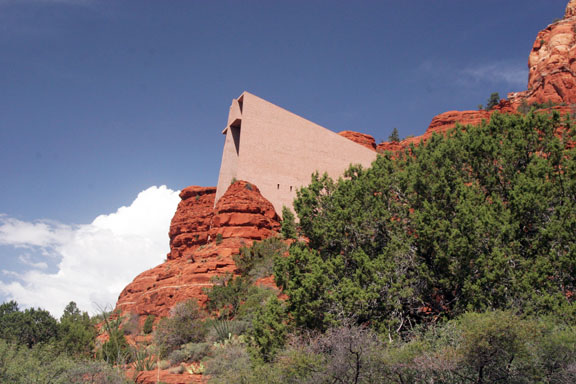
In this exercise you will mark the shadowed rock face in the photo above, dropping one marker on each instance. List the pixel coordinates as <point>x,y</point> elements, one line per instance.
<point>203,239</point>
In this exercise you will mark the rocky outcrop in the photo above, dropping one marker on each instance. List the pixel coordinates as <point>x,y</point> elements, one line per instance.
<point>191,223</point>
<point>360,138</point>
<point>244,213</point>
<point>552,64</point>
<point>570,9</point>
<point>165,376</point>
<point>203,239</point>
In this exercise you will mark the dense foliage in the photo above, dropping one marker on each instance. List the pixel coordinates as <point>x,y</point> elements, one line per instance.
<point>37,348</point>
<point>483,218</point>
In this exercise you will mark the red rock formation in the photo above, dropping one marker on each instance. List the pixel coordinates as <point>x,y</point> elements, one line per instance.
<point>202,240</point>
<point>360,138</point>
<point>447,120</point>
<point>392,146</point>
<point>243,212</point>
<point>570,9</point>
<point>165,376</point>
<point>552,64</point>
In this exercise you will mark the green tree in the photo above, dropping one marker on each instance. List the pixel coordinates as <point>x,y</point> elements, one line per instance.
<point>288,224</point>
<point>493,101</point>
<point>394,136</point>
<point>77,331</point>
<point>269,330</point>
<point>148,324</point>
<point>29,328</point>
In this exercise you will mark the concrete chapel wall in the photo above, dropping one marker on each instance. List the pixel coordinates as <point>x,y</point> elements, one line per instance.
<point>278,151</point>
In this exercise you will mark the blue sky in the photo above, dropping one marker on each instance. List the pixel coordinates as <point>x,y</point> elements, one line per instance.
<point>104,100</point>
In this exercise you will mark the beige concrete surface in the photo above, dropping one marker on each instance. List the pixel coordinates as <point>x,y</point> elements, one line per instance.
<point>278,151</point>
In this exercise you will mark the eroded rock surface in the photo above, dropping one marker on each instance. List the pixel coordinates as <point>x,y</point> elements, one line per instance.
<point>360,138</point>
<point>203,239</point>
<point>552,64</point>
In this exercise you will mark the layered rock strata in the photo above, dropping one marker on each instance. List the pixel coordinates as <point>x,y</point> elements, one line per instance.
<point>203,239</point>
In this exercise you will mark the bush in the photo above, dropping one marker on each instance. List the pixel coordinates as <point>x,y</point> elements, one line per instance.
<point>191,352</point>
<point>229,363</point>
<point>235,297</point>
<point>269,330</point>
<point>38,364</point>
<point>185,325</point>
<point>148,324</point>
<point>130,325</point>
<point>288,224</point>
<point>94,372</point>
<point>258,260</point>
<point>115,350</point>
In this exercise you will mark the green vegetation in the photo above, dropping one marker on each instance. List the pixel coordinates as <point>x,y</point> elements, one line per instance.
<point>288,224</point>
<point>493,101</point>
<point>37,348</point>
<point>394,136</point>
<point>184,325</point>
<point>148,324</point>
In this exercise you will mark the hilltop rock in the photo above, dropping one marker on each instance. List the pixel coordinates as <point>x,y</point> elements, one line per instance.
<point>243,212</point>
<point>552,64</point>
<point>570,9</point>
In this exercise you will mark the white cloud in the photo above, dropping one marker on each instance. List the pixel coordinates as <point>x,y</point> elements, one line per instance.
<point>515,75</point>
<point>96,261</point>
<point>26,259</point>
<point>40,234</point>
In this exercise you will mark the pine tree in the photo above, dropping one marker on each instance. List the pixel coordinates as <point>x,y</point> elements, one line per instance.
<point>493,101</point>
<point>394,136</point>
<point>288,224</point>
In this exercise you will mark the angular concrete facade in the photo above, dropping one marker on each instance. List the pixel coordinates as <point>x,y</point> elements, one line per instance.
<point>278,151</point>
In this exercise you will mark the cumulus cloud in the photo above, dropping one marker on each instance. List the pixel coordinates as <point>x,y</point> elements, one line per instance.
<point>95,261</point>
